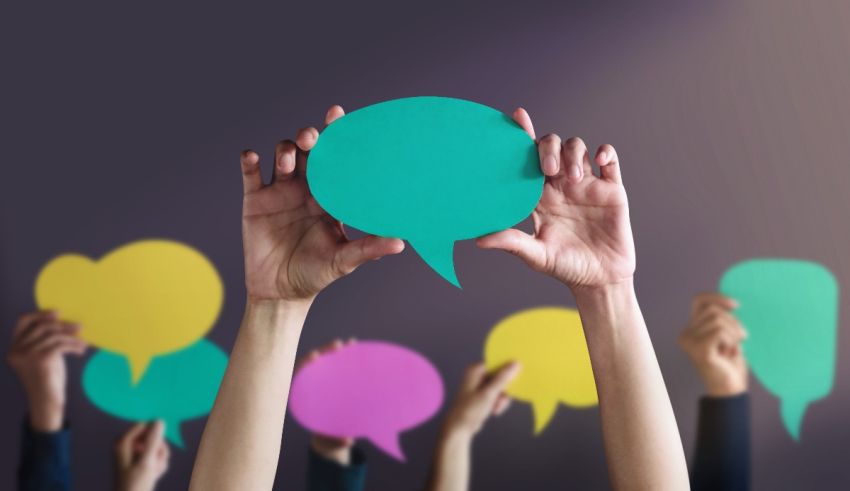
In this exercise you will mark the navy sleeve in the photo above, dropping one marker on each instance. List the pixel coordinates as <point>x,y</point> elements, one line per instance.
<point>45,460</point>
<point>722,459</point>
<point>327,475</point>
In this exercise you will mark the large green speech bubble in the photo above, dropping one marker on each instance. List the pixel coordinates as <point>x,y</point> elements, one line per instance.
<point>790,310</point>
<point>430,170</point>
<point>176,387</point>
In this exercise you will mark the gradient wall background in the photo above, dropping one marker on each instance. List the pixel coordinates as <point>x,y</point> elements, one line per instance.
<point>121,122</point>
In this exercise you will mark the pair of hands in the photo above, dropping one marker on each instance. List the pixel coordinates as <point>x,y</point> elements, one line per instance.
<point>713,340</point>
<point>40,342</point>
<point>294,249</point>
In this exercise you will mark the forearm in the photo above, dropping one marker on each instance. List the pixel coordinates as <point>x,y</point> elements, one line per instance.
<point>450,469</point>
<point>642,442</point>
<point>241,442</point>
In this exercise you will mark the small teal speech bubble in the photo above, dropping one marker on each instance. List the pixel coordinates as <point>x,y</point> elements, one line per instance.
<point>176,387</point>
<point>790,310</point>
<point>431,170</point>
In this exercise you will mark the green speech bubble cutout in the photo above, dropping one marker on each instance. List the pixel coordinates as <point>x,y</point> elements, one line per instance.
<point>430,170</point>
<point>790,310</point>
<point>176,387</point>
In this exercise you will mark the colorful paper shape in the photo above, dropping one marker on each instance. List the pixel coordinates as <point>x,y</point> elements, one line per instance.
<point>370,389</point>
<point>549,344</point>
<point>431,170</point>
<point>143,299</point>
<point>790,310</point>
<point>177,387</point>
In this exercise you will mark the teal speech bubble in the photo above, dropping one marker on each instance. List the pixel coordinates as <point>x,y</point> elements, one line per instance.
<point>430,170</point>
<point>176,387</point>
<point>790,310</point>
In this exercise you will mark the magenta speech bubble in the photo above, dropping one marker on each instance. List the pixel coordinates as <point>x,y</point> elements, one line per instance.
<point>370,389</point>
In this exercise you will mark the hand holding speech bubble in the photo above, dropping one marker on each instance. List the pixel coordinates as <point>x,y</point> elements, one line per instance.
<point>790,310</point>
<point>549,344</point>
<point>177,387</point>
<point>143,299</point>
<point>431,170</point>
<point>370,389</point>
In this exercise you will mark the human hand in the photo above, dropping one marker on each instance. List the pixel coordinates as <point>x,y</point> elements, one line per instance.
<point>141,457</point>
<point>582,234</point>
<point>713,340</point>
<point>40,342</point>
<point>293,248</point>
<point>337,449</point>
<point>481,394</point>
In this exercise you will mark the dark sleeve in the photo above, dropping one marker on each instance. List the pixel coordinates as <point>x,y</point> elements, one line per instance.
<point>327,475</point>
<point>45,460</point>
<point>722,459</point>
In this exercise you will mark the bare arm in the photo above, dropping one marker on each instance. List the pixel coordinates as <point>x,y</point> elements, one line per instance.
<point>293,249</point>
<point>582,237</point>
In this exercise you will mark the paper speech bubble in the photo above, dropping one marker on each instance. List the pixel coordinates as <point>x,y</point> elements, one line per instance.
<point>549,344</point>
<point>790,310</point>
<point>177,387</point>
<point>370,389</point>
<point>431,170</point>
<point>143,299</point>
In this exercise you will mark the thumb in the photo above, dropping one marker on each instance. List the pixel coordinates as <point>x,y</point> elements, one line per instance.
<point>153,440</point>
<point>518,243</point>
<point>352,254</point>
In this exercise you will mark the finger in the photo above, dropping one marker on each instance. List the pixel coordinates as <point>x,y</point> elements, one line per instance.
<point>331,347</point>
<point>55,341</point>
<point>284,159</point>
<point>502,404</point>
<point>153,439</point>
<point>124,447</point>
<point>28,320</point>
<point>705,299</point>
<point>251,178</point>
<point>496,384</point>
<point>334,113</point>
<point>307,138</point>
<point>473,377</point>
<point>609,164</point>
<point>712,314</point>
<point>549,149</point>
<point>576,160</point>
<point>352,254</point>
<point>518,243</point>
<point>522,118</point>
<point>39,333</point>
<point>76,348</point>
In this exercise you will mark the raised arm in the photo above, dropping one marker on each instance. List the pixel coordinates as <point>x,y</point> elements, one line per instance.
<point>582,237</point>
<point>293,249</point>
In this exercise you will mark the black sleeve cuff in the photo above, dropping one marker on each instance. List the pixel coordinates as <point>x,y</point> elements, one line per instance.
<point>328,475</point>
<point>722,459</point>
<point>45,459</point>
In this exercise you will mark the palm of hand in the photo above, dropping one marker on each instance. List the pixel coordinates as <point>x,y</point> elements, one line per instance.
<point>290,237</point>
<point>585,231</point>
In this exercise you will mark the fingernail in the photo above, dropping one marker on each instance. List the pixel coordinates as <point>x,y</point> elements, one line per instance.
<point>550,165</point>
<point>603,156</point>
<point>575,174</point>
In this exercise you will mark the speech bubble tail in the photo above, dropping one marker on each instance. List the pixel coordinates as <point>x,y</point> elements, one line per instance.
<point>792,416</point>
<point>138,365</point>
<point>543,413</point>
<point>390,444</point>
<point>439,255</point>
<point>172,434</point>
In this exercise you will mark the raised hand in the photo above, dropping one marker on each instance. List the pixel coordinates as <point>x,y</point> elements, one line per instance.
<point>582,234</point>
<point>293,249</point>
<point>713,340</point>
<point>141,457</point>
<point>39,344</point>
<point>481,395</point>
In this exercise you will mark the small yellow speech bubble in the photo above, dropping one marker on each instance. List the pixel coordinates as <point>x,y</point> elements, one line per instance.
<point>143,299</point>
<point>549,344</point>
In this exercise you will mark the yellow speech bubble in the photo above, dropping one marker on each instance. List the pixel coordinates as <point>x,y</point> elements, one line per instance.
<point>549,343</point>
<point>143,299</point>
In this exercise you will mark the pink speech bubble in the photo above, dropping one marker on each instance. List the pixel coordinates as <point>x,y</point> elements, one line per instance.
<point>370,389</point>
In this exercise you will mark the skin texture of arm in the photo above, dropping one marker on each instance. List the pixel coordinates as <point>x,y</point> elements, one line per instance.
<point>481,395</point>
<point>582,237</point>
<point>293,249</point>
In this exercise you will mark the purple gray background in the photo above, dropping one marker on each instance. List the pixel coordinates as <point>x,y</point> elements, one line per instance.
<point>122,122</point>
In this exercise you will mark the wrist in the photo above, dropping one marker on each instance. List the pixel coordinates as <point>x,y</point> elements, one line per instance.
<point>725,389</point>
<point>456,433</point>
<point>277,313</point>
<point>46,417</point>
